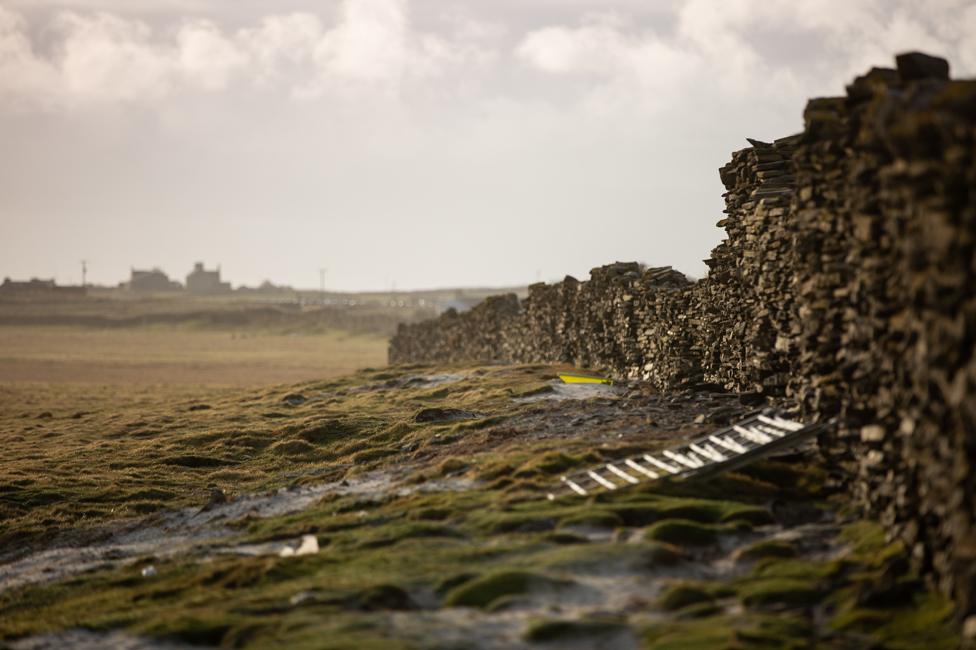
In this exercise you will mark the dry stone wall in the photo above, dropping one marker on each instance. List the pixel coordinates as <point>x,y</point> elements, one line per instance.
<point>847,282</point>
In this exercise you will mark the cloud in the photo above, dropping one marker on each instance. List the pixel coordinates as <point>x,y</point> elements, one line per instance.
<point>206,57</point>
<point>373,44</point>
<point>100,57</point>
<point>22,73</point>
<point>105,57</point>
<point>633,63</point>
<point>281,43</point>
<point>744,50</point>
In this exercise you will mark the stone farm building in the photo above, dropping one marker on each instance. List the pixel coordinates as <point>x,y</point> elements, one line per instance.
<point>36,286</point>
<point>151,280</point>
<point>202,281</point>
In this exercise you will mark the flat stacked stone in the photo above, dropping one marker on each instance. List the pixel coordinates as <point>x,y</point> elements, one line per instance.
<point>746,298</point>
<point>665,330</point>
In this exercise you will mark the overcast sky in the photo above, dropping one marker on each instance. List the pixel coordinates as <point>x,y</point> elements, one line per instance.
<point>420,143</point>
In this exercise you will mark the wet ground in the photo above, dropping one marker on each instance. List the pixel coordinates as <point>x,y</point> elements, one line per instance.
<point>434,531</point>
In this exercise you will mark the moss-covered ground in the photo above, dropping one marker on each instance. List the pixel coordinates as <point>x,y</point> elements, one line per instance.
<point>434,527</point>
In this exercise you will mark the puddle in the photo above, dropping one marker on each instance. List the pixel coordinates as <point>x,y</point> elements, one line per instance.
<point>177,532</point>
<point>562,391</point>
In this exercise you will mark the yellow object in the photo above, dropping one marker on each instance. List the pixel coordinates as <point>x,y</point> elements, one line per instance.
<point>573,378</point>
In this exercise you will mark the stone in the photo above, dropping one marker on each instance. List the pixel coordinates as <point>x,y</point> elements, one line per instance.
<point>913,66</point>
<point>969,628</point>
<point>872,433</point>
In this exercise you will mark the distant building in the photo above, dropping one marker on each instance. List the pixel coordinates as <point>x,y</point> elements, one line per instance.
<point>151,280</point>
<point>266,287</point>
<point>202,281</point>
<point>38,286</point>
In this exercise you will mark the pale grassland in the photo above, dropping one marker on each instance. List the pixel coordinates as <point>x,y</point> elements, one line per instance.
<point>180,357</point>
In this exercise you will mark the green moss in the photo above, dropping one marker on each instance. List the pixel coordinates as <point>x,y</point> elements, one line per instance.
<point>859,620</point>
<point>514,522</point>
<point>391,534</point>
<point>553,463</point>
<point>769,548</point>
<point>594,519</point>
<point>798,569</point>
<point>682,594</point>
<point>451,466</point>
<point>683,532</point>
<point>196,630</point>
<point>449,583</point>
<point>562,537</point>
<point>709,633</point>
<point>292,448</point>
<point>604,558</point>
<point>779,593</point>
<point>711,512</point>
<point>483,591</point>
<point>730,632</point>
<point>926,622</point>
<point>370,455</point>
<point>638,509</point>
<point>698,610</point>
<point>869,544</point>
<point>432,514</point>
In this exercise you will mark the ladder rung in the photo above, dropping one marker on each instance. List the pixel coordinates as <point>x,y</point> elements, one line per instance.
<point>757,437</point>
<point>575,487</point>
<point>788,425</point>
<point>704,459</point>
<point>687,461</point>
<point>640,468</point>
<point>707,451</point>
<point>602,481</point>
<point>671,469</point>
<point>622,474</point>
<point>729,444</point>
<point>773,431</point>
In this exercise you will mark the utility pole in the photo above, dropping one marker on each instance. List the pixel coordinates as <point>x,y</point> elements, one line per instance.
<point>322,284</point>
<point>84,273</point>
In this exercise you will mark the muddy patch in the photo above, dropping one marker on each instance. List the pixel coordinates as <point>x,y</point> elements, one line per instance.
<point>412,381</point>
<point>436,415</point>
<point>202,530</point>
<point>88,640</point>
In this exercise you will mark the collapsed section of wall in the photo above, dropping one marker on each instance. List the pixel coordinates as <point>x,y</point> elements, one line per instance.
<point>847,281</point>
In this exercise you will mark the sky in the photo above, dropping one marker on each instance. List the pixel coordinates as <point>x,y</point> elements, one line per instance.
<point>408,143</point>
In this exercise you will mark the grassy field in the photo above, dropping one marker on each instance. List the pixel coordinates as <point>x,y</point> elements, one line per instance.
<point>183,343</point>
<point>425,489</point>
<point>179,357</point>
